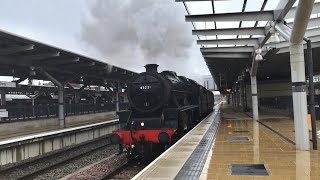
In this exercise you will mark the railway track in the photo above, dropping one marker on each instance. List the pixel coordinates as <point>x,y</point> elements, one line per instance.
<point>36,167</point>
<point>127,171</point>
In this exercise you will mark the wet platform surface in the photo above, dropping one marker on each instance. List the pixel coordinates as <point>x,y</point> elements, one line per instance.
<point>261,146</point>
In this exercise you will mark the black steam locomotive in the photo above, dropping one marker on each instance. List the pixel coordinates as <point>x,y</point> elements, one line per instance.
<point>163,107</point>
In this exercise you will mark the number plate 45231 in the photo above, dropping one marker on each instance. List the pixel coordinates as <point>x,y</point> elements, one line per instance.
<point>145,87</point>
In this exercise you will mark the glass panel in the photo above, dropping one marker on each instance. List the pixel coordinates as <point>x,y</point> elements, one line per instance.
<point>204,7</point>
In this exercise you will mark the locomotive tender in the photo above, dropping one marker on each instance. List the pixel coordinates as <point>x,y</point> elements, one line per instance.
<point>163,107</point>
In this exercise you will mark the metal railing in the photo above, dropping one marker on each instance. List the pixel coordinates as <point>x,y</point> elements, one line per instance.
<point>43,111</point>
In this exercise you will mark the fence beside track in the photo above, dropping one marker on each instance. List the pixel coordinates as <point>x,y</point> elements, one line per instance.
<point>45,111</point>
<point>18,149</point>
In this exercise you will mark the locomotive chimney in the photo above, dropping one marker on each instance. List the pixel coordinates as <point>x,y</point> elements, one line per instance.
<point>152,68</point>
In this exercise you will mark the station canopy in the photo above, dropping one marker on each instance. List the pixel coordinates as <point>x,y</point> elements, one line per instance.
<point>21,57</point>
<point>230,31</point>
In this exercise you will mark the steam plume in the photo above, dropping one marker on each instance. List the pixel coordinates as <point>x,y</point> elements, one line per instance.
<point>132,33</point>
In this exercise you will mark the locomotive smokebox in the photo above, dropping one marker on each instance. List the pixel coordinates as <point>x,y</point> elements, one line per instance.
<point>152,68</point>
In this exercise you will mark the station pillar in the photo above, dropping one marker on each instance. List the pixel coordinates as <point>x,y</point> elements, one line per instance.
<point>299,96</point>
<point>3,97</point>
<point>254,94</point>
<point>61,116</point>
<point>242,99</point>
<point>117,97</point>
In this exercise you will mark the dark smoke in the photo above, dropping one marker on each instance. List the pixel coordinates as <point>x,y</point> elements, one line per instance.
<point>132,33</point>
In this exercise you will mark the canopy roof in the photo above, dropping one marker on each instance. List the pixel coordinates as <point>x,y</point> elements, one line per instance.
<point>20,55</point>
<point>229,32</point>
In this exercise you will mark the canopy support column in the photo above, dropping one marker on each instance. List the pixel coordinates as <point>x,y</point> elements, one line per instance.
<point>61,115</point>
<point>254,94</point>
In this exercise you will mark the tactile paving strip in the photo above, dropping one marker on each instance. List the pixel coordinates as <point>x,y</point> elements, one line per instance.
<point>193,167</point>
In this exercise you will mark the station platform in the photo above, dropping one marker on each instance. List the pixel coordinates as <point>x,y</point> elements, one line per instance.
<point>17,129</point>
<point>230,145</point>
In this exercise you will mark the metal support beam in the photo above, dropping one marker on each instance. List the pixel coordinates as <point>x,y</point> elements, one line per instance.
<point>313,22</point>
<point>284,31</point>
<point>285,44</point>
<point>94,99</point>
<point>227,55</point>
<point>282,9</point>
<point>243,41</point>
<point>298,78</point>
<point>12,50</point>
<point>39,56</point>
<point>62,61</point>
<point>238,16</point>
<point>230,31</point>
<point>229,49</point>
<point>33,98</point>
<point>254,95</point>
<point>61,115</point>
<point>20,80</point>
<point>292,12</point>
<point>280,12</point>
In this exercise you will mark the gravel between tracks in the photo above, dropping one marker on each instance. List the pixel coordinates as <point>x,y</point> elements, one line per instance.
<point>74,165</point>
<point>61,170</point>
<point>128,172</point>
<point>100,170</point>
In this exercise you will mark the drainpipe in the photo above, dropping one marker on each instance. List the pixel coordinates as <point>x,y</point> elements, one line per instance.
<point>298,78</point>
<point>311,95</point>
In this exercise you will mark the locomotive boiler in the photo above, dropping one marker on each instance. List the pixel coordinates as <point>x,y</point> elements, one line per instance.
<point>163,107</point>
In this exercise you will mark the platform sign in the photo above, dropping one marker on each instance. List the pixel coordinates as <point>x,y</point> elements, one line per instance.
<point>7,84</point>
<point>3,113</point>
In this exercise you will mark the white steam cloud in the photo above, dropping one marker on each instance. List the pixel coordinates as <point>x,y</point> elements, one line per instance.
<point>132,33</point>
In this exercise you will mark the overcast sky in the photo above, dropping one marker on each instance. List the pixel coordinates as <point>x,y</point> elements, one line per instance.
<point>89,28</point>
<point>126,33</point>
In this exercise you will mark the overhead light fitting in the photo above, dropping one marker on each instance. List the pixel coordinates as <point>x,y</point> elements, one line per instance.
<point>274,36</point>
<point>32,71</point>
<point>81,79</point>
<point>258,55</point>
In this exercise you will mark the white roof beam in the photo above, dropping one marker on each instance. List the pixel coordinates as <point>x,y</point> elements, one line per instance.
<point>292,12</point>
<point>230,31</point>
<point>229,49</point>
<point>227,55</point>
<point>198,0</point>
<point>240,16</point>
<point>279,13</point>
<point>286,49</point>
<point>287,44</point>
<point>12,50</point>
<point>241,41</point>
<point>313,22</point>
<point>282,9</point>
